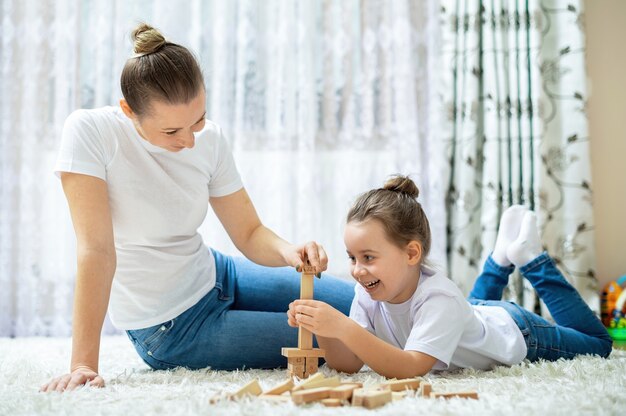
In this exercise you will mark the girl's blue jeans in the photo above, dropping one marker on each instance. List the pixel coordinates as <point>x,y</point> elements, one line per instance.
<point>576,330</point>
<point>240,323</point>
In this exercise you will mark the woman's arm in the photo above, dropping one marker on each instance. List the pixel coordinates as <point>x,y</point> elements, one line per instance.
<point>325,321</point>
<point>87,198</point>
<point>257,242</point>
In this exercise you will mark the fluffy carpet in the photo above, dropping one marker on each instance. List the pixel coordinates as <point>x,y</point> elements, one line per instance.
<point>584,386</point>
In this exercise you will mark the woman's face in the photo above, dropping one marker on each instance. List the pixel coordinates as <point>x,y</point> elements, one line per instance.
<point>170,126</point>
<point>387,272</point>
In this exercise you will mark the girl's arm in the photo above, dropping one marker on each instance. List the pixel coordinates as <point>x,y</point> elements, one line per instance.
<point>87,198</point>
<point>257,242</point>
<point>337,355</point>
<point>385,359</point>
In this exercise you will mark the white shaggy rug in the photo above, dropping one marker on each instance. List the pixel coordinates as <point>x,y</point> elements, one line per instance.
<point>584,386</point>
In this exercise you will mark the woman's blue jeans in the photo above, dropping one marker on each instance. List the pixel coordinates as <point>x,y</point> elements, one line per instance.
<point>240,323</point>
<point>577,329</point>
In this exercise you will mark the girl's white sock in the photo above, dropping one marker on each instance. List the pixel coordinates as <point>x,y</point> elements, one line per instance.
<point>507,232</point>
<point>527,246</point>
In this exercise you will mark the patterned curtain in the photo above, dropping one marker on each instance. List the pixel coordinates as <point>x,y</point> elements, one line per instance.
<point>514,92</point>
<point>320,99</point>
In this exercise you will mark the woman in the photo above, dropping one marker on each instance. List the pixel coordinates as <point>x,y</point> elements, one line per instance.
<point>137,180</point>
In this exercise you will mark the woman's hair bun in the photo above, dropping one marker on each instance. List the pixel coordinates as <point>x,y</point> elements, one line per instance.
<point>147,39</point>
<point>402,184</point>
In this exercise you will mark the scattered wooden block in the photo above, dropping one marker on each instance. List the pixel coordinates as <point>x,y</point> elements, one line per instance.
<point>376,398</point>
<point>280,398</point>
<point>398,395</point>
<point>332,402</point>
<point>425,389</point>
<point>404,384</point>
<point>281,388</point>
<point>461,394</point>
<point>252,388</point>
<point>330,382</point>
<point>351,383</point>
<point>344,391</point>
<point>357,396</point>
<point>312,379</point>
<point>310,395</point>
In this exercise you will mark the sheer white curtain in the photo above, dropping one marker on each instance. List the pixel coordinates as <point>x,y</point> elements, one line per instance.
<point>320,100</point>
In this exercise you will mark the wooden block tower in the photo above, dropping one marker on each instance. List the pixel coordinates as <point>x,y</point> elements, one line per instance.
<point>303,361</point>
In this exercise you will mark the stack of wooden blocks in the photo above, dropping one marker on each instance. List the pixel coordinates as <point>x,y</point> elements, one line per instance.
<point>302,362</point>
<point>333,392</point>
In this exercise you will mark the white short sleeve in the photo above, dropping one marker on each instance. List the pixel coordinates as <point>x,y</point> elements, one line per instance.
<point>83,149</point>
<point>225,179</point>
<point>361,310</point>
<point>438,327</point>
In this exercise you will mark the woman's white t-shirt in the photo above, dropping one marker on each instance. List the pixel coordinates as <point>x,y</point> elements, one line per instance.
<point>158,199</point>
<point>438,321</point>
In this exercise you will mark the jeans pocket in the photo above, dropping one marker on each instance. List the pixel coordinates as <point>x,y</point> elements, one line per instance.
<point>153,341</point>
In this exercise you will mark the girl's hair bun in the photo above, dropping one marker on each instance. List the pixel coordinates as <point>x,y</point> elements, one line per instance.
<point>403,185</point>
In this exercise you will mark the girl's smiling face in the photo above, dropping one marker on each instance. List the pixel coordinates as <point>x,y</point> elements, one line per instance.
<point>387,272</point>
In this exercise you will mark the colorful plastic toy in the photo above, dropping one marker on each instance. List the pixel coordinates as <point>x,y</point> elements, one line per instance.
<point>613,309</point>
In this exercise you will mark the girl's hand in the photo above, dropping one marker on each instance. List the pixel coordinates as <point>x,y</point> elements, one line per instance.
<point>79,376</point>
<point>298,255</point>
<point>291,315</point>
<point>319,318</point>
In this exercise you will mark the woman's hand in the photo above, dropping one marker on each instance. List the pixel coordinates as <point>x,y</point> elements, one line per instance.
<point>79,376</point>
<point>298,255</point>
<point>318,317</point>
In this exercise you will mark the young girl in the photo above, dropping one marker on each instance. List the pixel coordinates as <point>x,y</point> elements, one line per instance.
<point>406,319</point>
<point>138,180</point>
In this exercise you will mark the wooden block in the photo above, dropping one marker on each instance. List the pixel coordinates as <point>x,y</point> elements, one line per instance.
<point>330,382</point>
<point>404,384</point>
<point>425,389</point>
<point>376,398</point>
<point>398,395</point>
<point>308,270</point>
<point>349,382</point>
<point>297,368</point>
<point>280,398</point>
<point>332,402</point>
<point>357,396</point>
<point>310,395</point>
<point>343,392</point>
<point>306,286</point>
<point>298,352</point>
<point>310,380</point>
<point>281,388</point>
<point>461,394</point>
<point>297,372</point>
<point>296,360</point>
<point>305,338</point>
<point>311,365</point>
<point>252,388</point>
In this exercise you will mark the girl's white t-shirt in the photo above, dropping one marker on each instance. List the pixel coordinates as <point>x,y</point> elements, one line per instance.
<point>158,200</point>
<point>438,321</point>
